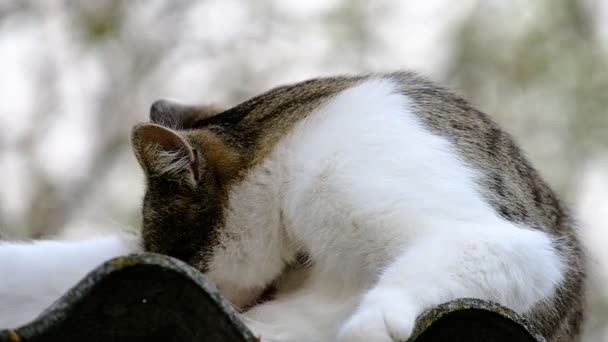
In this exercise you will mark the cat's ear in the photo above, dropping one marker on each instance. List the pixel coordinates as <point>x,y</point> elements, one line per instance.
<point>163,152</point>
<point>180,116</point>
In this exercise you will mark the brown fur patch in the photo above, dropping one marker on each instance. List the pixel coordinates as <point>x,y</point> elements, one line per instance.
<point>224,159</point>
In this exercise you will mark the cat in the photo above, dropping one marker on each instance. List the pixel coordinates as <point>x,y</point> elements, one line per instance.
<point>364,199</point>
<point>402,196</point>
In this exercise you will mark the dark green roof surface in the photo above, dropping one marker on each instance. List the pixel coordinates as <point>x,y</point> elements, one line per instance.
<point>150,297</point>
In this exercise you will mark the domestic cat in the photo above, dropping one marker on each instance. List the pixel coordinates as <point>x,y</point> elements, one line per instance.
<point>401,195</point>
<point>388,193</point>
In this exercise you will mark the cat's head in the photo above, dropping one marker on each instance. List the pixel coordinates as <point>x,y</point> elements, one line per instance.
<point>188,173</point>
<point>185,174</point>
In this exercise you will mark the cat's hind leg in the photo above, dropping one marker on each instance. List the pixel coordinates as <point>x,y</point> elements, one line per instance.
<point>507,264</point>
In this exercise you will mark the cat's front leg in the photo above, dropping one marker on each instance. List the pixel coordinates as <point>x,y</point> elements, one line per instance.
<point>269,332</point>
<point>295,322</point>
<point>312,313</point>
<point>385,315</point>
<point>511,266</point>
<point>278,322</point>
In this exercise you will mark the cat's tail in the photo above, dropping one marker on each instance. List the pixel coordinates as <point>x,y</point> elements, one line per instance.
<point>34,274</point>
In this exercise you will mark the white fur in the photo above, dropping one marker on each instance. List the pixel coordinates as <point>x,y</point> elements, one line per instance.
<point>171,162</point>
<point>34,274</point>
<point>393,222</point>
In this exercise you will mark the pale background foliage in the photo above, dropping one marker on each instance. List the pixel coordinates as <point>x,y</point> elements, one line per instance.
<point>76,75</point>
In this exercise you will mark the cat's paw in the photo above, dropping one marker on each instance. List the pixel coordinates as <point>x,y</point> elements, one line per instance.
<point>380,321</point>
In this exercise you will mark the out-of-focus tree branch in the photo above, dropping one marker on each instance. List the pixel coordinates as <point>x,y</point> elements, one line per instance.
<point>550,74</point>
<point>126,59</point>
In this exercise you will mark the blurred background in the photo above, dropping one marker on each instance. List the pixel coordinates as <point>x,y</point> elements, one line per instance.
<point>76,75</point>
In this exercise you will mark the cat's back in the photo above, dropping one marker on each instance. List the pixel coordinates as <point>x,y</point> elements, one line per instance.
<point>507,179</point>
